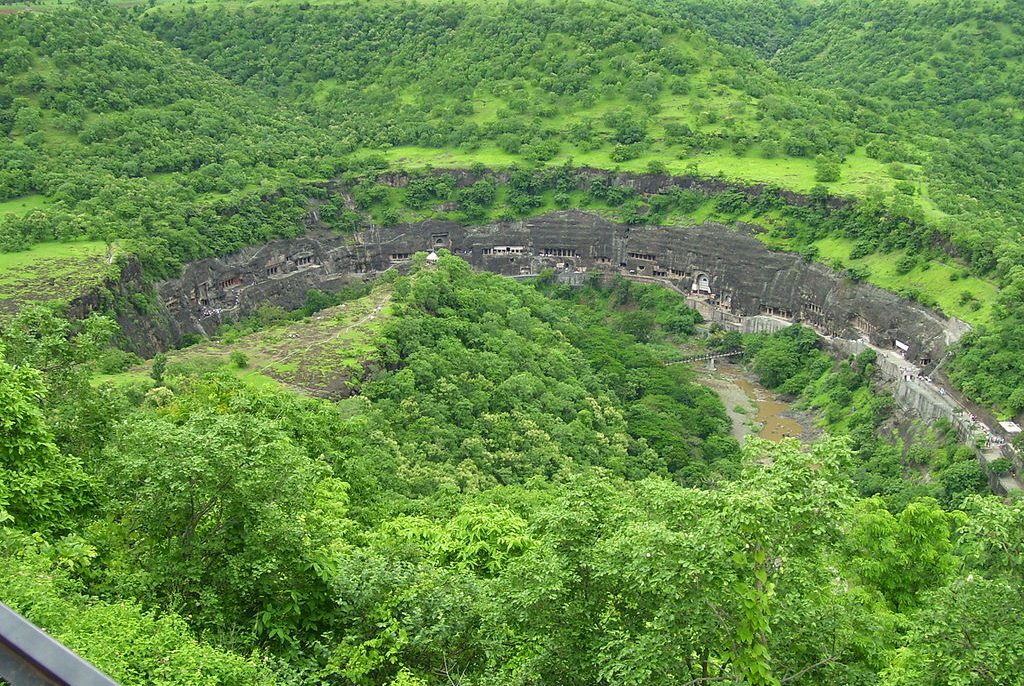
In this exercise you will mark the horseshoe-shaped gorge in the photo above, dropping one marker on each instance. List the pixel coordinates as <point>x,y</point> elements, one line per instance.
<point>411,343</point>
<point>725,273</point>
<point>730,275</point>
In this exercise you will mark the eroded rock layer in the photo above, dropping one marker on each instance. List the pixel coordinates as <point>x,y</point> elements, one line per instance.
<point>724,268</point>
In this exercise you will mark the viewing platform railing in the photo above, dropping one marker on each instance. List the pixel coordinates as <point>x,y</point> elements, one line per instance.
<point>31,657</point>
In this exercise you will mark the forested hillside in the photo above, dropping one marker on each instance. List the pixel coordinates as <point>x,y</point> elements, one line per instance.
<point>533,81</point>
<point>117,137</point>
<point>523,494</point>
<point>432,476</point>
<point>764,27</point>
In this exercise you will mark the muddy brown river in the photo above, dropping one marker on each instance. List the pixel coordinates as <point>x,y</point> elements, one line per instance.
<point>752,408</point>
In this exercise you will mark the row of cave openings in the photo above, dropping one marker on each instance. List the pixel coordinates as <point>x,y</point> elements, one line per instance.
<point>700,287</point>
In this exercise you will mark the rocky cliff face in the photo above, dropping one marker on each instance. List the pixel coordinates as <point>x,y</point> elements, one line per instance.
<point>147,327</point>
<point>726,266</point>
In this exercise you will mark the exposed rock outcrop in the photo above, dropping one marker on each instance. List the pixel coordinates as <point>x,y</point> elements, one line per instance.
<point>146,325</point>
<point>727,266</point>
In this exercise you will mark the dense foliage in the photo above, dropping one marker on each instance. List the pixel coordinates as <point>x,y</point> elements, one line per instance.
<point>950,71</point>
<point>129,141</point>
<point>988,365</point>
<point>524,78</point>
<point>936,465</point>
<point>523,494</point>
<point>520,490</point>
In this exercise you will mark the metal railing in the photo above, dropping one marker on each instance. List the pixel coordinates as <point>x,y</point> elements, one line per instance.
<point>30,657</point>
<point>705,356</point>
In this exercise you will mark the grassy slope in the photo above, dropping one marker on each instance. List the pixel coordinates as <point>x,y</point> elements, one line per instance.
<point>708,94</point>
<point>860,173</point>
<point>51,271</point>
<point>933,278</point>
<point>318,355</point>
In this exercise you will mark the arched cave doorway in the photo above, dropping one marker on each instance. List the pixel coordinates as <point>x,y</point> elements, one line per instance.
<point>701,284</point>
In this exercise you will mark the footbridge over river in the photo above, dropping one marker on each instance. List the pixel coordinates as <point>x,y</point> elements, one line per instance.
<point>706,357</point>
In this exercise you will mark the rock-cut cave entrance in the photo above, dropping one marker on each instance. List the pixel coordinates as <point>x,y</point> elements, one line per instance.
<point>701,283</point>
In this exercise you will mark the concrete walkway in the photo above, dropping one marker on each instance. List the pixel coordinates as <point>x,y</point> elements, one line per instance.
<point>932,399</point>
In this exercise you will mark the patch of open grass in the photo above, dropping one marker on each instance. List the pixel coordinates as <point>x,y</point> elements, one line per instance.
<point>946,283</point>
<point>322,355</point>
<point>51,271</point>
<point>23,204</point>
<point>859,172</point>
<point>120,379</point>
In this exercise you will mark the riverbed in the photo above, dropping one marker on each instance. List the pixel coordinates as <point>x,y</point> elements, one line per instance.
<point>753,409</point>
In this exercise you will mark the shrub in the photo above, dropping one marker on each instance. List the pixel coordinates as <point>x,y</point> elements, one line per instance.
<point>826,169</point>
<point>159,367</point>
<point>1002,466</point>
<point>906,264</point>
<point>657,167</point>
